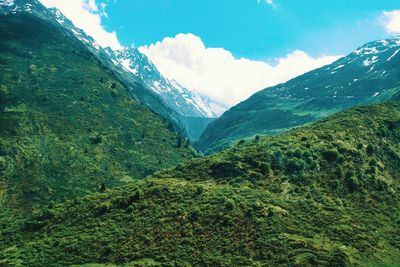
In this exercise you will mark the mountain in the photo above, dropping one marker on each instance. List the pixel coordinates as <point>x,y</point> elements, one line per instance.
<point>68,124</point>
<point>179,98</point>
<point>162,95</point>
<point>325,194</point>
<point>195,111</point>
<point>367,75</point>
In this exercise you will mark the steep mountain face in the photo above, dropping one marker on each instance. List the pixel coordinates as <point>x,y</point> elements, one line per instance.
<point>162,95</point>
<point>322,195</point>
<point>365,76</point>
<point>177,97</point>
<point>68,124</point>
<point>194,111</point>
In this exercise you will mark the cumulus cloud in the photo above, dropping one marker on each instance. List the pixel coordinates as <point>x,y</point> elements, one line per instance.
<point>86,15</point>
<point>216,73</point>
<point>391,21</point>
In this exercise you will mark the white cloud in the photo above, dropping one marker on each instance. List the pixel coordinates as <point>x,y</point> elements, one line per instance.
<point>215,72</point>
<point>391,21</point>
<point>86,15</point>
<point>269,2</point>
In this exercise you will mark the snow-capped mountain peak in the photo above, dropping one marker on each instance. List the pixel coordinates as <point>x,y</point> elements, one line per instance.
<point>378,47</point>
<point>179,98</point>
<point>14,6</point>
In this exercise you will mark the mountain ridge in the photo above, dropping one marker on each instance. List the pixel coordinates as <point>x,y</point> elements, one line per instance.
<point>164,96</point>
<point>366,75</point>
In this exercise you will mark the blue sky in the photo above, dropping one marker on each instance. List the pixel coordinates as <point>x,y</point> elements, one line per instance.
<point>229,49</point>
<point>251,29</point>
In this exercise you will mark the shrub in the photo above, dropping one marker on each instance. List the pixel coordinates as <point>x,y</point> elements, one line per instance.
<point>309,160</point>
<point>340,173</point>
<point>199,190</point>
<point>102,187</point>
<point>299,179</point>
<point>373,162</point>
<point>331,155</point>
<point>103,208</point>
<point>352,183</point>
<point>307,154</point>
<point>96,139</point>
<point>314,165</point>
<point>335,184</point>
<point>298,153</point>
<point>225,169</point>
<point>194,214</point>
<point>278,159</point>
<point>382,132</point>
<point>229,204</point>
<point>3,94</point>
<point>265,168</point>
<point>370,150</point>
<point>296,165</point>
<point>179,142</point>
<point>351,172</point>
<point>137,195</point>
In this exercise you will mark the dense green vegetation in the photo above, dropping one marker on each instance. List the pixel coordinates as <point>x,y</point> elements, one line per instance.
<point>322,195</point>
<point>318,94</point>
<point>67,124</point>
<point>73,140</point>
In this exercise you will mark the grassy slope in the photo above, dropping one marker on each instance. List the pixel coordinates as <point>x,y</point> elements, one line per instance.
<point>321,195</point>
<point>68,125</point>
<point>304,99</point>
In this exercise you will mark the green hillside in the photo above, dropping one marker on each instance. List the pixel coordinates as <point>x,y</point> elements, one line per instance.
<point>348,82</point>
<point>67,124</point>
<point>322,195</point>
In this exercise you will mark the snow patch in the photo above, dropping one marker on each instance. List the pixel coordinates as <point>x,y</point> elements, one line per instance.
<point>394,54</point>
<point>7,3</point>
<point>369,61</point>
<point>157,86</point>
<point>126,63</point>
<point>367,51</point>
<point>338,67</point>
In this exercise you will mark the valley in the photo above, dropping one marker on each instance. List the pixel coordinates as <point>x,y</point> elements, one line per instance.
<point>104,161</point>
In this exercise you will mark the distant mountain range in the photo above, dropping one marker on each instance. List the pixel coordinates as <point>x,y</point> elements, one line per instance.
<point>370,74</point>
